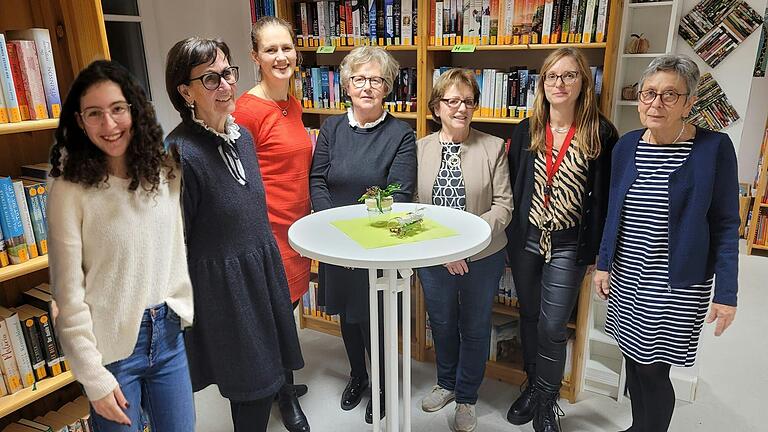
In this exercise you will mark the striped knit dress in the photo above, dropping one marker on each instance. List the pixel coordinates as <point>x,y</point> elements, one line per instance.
<point>651,321</point>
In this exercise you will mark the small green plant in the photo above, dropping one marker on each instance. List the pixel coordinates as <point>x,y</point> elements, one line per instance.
<point>375,192</point>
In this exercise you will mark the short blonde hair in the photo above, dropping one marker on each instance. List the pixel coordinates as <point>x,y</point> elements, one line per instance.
<point>367,54</point>
<point>455,76</point>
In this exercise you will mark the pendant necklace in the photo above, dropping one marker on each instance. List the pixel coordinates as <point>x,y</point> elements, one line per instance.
<point>454,161</point>
<point>274,102</point>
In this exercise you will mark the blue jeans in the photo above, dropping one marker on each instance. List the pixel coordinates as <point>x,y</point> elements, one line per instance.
<point>155,378</point>
<point>459,310</point>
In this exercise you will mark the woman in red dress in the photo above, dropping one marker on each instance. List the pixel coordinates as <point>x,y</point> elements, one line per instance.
<point>284,151</point>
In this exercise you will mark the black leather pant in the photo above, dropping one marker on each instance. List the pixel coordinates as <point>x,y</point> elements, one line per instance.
<point>547,293</point>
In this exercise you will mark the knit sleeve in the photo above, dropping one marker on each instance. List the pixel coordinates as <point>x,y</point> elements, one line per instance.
<point>74,324</point>
<point>403,168</point>
<point>321,164</point>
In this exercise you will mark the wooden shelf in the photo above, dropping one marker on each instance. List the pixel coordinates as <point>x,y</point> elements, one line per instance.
<point>28,126</point>
<point>16,270</point>
<point>20,399</point>
<point>646,55</point>
<point>333,111</point>
<point>321,324</point>
<point>650,4</point>
<point>514,311</point>
<point>763,205</point>
<point>498,120</point>
<point>759,246</point>
<point>521,47</point>
<point>350,48</point>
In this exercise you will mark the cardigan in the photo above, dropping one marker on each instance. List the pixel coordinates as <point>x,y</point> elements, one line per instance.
<point>594,201</point>
<point>703,212</point>
<point>113,253</point>
<point>486,181</point>
<point>284,151</point>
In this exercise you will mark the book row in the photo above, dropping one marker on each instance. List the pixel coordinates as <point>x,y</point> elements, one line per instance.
<point>29,349</point>
<point>29,89</point>
<point>23,220</point>
<point>356,22</point>
<point>761,230</point>
<point>72,417</point>
<point>504,22</point>
<point>510,94</point>
<point>320,87</point>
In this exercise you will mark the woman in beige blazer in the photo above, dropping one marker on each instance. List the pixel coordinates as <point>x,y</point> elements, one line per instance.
<point>465,169</point>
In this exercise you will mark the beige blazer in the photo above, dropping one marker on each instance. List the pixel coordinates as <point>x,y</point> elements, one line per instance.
<point>486,181</point>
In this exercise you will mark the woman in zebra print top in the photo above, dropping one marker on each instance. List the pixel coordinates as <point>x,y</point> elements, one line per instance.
<point>671,227</point>
<point>559,163</point>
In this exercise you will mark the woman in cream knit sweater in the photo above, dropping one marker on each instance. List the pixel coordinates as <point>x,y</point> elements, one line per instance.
<point>117,257</point>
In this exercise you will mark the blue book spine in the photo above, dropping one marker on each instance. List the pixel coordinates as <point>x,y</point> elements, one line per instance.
<point>372,21</point>
<point>10,223</point>
<point>324,85</point>
<point>316,93</point>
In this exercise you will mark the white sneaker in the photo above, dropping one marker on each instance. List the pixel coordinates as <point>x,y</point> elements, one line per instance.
<point>465,419</point>
<point>437,399</point>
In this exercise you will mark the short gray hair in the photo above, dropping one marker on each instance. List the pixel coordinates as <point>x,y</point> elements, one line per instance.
<point>367,54</point>
<point>681,64</point>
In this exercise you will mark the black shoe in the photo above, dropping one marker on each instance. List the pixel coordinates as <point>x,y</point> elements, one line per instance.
<point>353,392</point>
<point>548,412</point>
<point>523,409</point>
<point>369,409</point>
<point>293,417</point>
<point>301,390</point>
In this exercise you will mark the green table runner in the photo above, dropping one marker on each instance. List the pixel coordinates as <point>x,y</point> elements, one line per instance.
<point>370,237</point>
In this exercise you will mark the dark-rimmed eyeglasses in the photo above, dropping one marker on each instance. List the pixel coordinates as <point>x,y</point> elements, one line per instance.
<point>668,97</point>
<point>212,80</point>
<point>359,81</point>
<point>95,116</point>
<point>568,78</point>
<point>456,102</point>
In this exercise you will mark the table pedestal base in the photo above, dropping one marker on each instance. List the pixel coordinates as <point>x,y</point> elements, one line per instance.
<point>391,286</point>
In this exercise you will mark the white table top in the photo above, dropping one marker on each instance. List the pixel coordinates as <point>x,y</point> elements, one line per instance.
<point>314,237</point>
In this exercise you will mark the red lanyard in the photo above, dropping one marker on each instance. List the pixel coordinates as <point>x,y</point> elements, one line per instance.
<point>552,169</point>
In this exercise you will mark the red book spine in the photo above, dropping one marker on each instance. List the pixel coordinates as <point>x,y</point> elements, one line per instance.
<point>33,81</point>
<point>18,83</point>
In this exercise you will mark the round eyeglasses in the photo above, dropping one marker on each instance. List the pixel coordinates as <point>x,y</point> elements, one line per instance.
<point>359,81</point>
<point>212,80</point>
<point>95,116</point>
<point>568,78</point>
<point>668,97</point>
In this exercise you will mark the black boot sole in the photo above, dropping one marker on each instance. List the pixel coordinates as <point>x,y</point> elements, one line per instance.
<point>519,420</point>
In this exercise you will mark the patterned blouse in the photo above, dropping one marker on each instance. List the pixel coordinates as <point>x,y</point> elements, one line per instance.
<point>564,209</point>
<point>448,190</point>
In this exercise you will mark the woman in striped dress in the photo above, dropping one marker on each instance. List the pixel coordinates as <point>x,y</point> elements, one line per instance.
<point>559,163</point>
<point>672,226</point>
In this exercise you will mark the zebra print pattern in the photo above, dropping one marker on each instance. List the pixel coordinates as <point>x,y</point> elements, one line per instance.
<point>568,184</point>
<point>651,321</point>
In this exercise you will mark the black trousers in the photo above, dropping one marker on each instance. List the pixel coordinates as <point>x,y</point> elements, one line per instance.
<point>288,372</point>
<point>547,292</point>
<point>251,416</point>
<point>357,341</point>
<point>652,395</point>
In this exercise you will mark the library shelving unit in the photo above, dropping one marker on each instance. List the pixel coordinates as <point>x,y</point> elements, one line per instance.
<point>657,21</point>
<point>425,58</point>
<point>78,37</point>
<point>757,243</point>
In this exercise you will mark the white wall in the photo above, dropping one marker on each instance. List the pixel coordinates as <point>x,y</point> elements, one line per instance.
<point>169,21</point>
<point>747,94</point>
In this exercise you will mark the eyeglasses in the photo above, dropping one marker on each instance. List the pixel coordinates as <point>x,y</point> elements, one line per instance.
<point>456,102</point>
<point>568,78</point>
<point>359,81</point>
<point>668,97</point>
<point>95,116</point>
<point>212,80</point>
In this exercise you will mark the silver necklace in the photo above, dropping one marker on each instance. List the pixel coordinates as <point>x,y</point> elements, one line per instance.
<point>682,129</point>
<point>561,130</point>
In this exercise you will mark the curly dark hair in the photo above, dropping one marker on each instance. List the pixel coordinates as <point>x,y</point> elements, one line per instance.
<point>86,164</point>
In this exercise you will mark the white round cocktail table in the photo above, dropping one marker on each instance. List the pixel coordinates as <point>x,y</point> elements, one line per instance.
<point>314,236</point>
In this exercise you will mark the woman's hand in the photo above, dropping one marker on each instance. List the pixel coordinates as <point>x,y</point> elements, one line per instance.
<point>112,407</point>
<point>602,281</point>
<point>457,267</point>
<point>723,314</point>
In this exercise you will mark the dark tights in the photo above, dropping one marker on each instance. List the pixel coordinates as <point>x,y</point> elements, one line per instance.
<point>251,416</point>
<point>357,340</point>
<point>652,394</point>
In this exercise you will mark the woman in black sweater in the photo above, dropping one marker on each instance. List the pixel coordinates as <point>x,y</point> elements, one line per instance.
<point>365,147</point>
<point>559,165</point>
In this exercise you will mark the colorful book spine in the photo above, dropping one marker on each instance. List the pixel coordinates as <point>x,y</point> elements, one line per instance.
<point>20,349</point>
<point>30,75</point>
<point>8,361</point>
<point>33,341</point>
<point>10,221</point>
<point>18,81</point>
<point>7,83</point>
<point>26,220</point>
<point>34,194</point>
<point>44,48</point>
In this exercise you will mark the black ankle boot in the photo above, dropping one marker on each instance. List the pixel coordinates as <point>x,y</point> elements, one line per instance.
<point>369,408</point>
<point>293,417</point>
<point>353,392</point>
<point>523,409</point>
<point>548,412</point>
